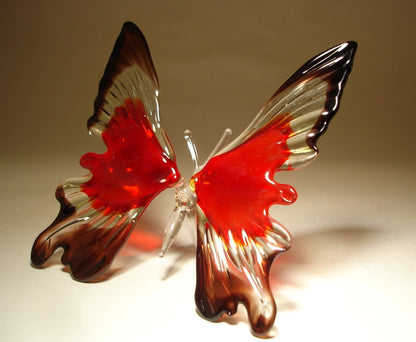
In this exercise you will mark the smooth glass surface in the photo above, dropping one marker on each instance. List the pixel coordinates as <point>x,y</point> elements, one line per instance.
<point>231,193</point>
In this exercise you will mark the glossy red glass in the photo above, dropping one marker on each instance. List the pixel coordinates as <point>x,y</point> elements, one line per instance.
<point>122,178</point>
<point>236,188</point>
<point>231,193</point>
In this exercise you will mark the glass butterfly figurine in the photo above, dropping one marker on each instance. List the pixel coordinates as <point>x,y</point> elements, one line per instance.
<point>230,194</point>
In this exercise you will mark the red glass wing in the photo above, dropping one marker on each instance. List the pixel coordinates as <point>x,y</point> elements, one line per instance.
<point>235,250</point>
<point>98,211</point>
<point>134,169</point>
<point>237,239</point>
<point>236,188</point>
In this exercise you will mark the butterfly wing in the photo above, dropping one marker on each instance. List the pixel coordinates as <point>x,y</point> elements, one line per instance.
<point>237,239</point>
<point>99,211</point>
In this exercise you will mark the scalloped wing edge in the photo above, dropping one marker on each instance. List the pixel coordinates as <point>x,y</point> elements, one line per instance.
<point>90,238</point>
<point>233,272</point>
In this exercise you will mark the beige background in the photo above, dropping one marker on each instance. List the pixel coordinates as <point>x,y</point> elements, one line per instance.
<point>350,275</point>
<point>218,62</point>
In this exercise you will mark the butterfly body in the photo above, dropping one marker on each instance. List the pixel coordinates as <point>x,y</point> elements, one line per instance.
<point>237,239</point>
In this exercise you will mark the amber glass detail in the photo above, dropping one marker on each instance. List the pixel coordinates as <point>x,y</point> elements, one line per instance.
<point>231,193</point>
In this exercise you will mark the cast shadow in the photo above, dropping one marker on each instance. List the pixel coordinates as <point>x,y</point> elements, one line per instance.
<point>182,255</point>
<point>322,250</point>
<point>319,252</point>
<point>241,317</point>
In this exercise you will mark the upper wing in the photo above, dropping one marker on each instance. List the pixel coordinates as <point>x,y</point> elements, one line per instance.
<point>98,211</point>
<point>237,239</point>
<point>304,105</point>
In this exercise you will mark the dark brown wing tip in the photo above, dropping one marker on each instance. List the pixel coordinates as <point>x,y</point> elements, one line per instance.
<point>333,66</point>
<point>88,252</point>
<point>339,56</point>
<point>129,49</point>
<point>42,248</point>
